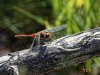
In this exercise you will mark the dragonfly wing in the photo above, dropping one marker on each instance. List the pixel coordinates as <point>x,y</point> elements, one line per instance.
<point>54,29</point>
<point>56,32</point>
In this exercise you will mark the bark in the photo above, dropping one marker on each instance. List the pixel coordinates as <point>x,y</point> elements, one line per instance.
<point>62,52</point>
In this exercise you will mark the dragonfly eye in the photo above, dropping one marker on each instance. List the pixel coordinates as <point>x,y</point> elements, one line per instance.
<point>47,35</point>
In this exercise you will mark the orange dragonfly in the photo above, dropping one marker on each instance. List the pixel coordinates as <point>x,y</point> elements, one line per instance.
<point>42,36</point>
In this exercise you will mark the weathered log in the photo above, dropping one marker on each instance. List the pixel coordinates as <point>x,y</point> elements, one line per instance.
<point>60,53</point>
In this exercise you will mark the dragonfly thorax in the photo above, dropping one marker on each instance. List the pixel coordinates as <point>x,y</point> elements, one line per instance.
<point>44,35</point>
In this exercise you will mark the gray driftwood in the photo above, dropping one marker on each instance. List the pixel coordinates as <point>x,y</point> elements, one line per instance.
<point>60,53</point>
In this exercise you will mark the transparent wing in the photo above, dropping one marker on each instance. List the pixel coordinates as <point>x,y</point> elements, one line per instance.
<point>54,29</point>
<point>57,32</point>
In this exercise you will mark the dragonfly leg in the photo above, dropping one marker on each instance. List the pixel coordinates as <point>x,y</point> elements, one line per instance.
<point>36,42</point>
<point>38,39</point>
<point>32,44</point>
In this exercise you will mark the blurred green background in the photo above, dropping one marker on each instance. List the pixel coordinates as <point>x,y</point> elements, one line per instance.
<point>30,16</point>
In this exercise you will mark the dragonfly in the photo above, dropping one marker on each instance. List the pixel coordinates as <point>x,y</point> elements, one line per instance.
<point>39,38</point>
<point>42,37</point>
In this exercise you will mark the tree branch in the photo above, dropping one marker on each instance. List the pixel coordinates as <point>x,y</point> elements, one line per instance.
<point>60,53</point>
